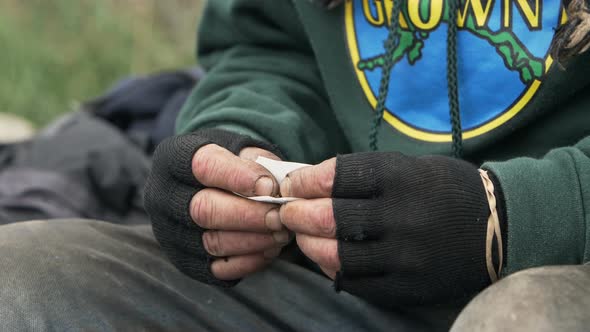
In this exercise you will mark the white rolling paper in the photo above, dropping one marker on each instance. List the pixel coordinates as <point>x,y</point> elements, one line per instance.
<point>279,169</point>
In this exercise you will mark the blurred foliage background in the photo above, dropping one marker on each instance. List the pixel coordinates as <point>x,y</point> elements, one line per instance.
<point>55,53</point>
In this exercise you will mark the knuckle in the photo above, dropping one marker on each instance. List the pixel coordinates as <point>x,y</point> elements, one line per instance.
<point>213,243</point>
<point>287,213</point>
<point>251,153</point>
<point>205,162</point>
<point>241,181</point>
<point>247,177</point>
<point>332,259</point>
<point>243,215</point>
<point>326,179</point>
<point>325,183</point>
<point>202,209</point>
<point>268,154</point>
<point>298,182</point>
<point>326,223</point>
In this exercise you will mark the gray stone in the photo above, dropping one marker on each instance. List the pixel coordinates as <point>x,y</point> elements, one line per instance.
<point>555,298</point>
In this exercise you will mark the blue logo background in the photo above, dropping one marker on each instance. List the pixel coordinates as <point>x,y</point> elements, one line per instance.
<point>487,88</point>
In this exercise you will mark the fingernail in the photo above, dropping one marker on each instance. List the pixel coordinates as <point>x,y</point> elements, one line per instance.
<point>281,237</point>
<point>272,253</point>
<point>273,220</point>
<point>286,187</point>
<point>264,186</point>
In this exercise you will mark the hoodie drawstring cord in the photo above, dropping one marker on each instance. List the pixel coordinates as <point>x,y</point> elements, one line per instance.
<point>452,81</point>
<point>391,44</point>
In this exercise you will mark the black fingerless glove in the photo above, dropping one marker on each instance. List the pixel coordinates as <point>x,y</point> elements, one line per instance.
<point>411,230</point>
<point>169,190</point>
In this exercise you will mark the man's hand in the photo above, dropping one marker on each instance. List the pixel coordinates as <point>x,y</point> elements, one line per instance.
<point>208,232</point>
<point>247,234</point>
<point>312,219</point>
<point>391,228</point>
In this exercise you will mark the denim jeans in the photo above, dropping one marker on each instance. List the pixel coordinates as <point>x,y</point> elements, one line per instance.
<point>70,275</point>
<point>80,275</point>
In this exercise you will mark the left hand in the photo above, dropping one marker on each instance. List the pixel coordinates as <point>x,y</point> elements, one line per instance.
<point>391,228</point>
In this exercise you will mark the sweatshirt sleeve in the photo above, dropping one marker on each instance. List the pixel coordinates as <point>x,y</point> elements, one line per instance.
<point>262,80</point>
<point>547,206</point>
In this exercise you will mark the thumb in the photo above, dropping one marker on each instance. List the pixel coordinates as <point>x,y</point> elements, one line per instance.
<point>310,182</point>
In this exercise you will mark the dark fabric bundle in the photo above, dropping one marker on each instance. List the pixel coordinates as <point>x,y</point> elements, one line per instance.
<point>79,166</point>
<point>145,108</point>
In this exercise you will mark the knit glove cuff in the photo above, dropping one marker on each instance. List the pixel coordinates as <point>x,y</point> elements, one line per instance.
<point>411,230</point>
<point>168,193</point>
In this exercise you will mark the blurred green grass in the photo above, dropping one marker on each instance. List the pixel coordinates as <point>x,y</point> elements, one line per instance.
<point>58,52</point>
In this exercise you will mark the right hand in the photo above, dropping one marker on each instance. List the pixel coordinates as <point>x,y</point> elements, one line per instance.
<point>206,230</point>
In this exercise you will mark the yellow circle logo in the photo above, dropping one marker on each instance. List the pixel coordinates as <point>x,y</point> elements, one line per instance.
<point>502,52</point>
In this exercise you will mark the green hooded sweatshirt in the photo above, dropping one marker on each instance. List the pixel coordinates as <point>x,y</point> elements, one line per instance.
<point>307,79</point>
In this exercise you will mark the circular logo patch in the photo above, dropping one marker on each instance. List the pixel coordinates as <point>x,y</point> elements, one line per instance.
<point>502,56</point>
